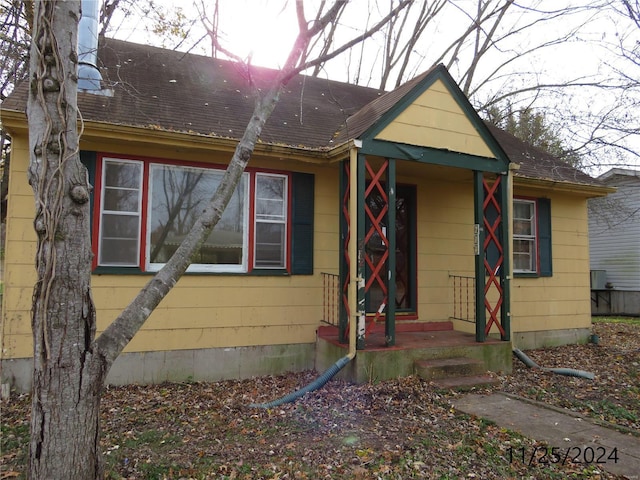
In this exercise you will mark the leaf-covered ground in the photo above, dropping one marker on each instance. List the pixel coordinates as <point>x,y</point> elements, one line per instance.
<point>398,429</point>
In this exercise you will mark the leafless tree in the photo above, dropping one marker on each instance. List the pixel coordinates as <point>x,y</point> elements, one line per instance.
<point>70,363</point>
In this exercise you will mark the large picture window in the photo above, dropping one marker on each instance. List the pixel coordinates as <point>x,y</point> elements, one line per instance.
<point>146,208</point>
<point>177,195</point>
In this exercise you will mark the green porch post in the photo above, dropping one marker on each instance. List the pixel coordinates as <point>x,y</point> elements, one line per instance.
<point>506,201</point>
<point>359,236</point>
<point>390,320</point>
<point>478,219</point>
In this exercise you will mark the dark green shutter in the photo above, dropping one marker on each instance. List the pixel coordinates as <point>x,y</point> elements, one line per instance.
<point>544,237</point>
<point>302,196</point>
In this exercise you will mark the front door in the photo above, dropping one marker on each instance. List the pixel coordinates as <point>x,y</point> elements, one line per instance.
<point>405,255</point>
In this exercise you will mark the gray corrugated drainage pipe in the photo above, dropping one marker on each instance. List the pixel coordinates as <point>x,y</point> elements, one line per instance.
<point>560,371</point>
<point>315,385</point>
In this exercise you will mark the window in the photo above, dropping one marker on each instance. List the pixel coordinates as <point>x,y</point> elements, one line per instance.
<point>146,208</point>
<point>532,237</point>
<point>120,217</point>
<point>524,236</point>
<point>177,195</point>
<point>271,220</point>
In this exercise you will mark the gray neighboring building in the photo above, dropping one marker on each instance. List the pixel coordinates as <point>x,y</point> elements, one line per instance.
<point>614,244</point>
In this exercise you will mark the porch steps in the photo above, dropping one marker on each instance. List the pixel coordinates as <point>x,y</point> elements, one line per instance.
<point>459,373</point>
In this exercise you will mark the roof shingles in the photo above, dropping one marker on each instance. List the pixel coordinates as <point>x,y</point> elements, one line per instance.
<point>169,90</point>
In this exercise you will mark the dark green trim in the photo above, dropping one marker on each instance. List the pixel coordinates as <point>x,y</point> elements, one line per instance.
<point>120,271</point>
<point>544,237</point>
<point>302,212</point>
<point>478,219</point>
<point>390,321</point>
<point>359,236</point>
<point>430,155</point>
<point>525,274</point>
<point>439,73</point>
<point>505,309</point>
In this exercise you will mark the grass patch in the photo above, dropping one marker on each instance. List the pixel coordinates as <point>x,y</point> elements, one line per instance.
<point>625,320</point>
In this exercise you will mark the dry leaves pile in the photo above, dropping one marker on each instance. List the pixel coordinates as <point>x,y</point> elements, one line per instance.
<point>398,429</point>
<point>613,396</point>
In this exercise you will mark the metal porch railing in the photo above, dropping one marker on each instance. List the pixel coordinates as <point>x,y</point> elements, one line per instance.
<point>330,298</point>
<point>464,298</point>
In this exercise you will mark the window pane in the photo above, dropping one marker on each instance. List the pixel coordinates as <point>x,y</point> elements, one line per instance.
<point>523,255</point>
<point>522,227</point>
<point>119,252</point>
<point>523,210</point>
<point>120,200</point>
<point>270,244</point>
<point>270,197</point>
<point>119,226</point>
<point>121,174</point>
<point>177,197</point>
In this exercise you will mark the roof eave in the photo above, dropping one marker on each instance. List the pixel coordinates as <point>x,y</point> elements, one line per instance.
<point>103,132</point>
<point>564,186</point>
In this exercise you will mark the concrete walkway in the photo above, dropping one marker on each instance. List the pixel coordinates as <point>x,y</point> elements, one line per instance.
<point>572,433</point>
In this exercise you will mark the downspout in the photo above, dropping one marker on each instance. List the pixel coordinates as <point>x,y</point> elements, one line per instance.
<point>354,282</point>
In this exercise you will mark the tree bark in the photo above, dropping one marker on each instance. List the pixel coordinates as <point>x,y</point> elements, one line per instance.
<point>68,377</point>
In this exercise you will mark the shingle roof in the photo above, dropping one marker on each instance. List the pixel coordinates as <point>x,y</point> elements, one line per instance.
<point>538,164</point>
<point>169,90</point>
<point>158,88</point>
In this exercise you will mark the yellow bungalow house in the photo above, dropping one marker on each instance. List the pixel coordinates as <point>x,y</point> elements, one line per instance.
<point>402,208</point>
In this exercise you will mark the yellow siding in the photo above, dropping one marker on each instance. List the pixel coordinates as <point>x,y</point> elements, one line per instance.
<point>445,243</point>
<point>436,120</point>
<point>561,301</point>
<point>202,311</point>
<point>208,311</point>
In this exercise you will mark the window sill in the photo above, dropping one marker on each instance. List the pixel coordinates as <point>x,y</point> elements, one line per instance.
<point>526,274</point>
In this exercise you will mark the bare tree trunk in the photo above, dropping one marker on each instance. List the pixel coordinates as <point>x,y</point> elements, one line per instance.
<point>70,365</point>
<point>67,378</point>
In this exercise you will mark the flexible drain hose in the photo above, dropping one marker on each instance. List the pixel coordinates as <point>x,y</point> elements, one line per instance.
<point>315,385</point>
<point>560,371</point>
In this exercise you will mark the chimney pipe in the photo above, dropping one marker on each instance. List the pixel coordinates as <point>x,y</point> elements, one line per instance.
<point>89,78</point>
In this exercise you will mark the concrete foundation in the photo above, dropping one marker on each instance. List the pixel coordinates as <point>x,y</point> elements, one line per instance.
<point>185,365</point>
<point>550,338</point>
<point>382,363</point>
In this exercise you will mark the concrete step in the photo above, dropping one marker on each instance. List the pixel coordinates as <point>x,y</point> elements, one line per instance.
<point>466,383</point>
<point>441,368</point>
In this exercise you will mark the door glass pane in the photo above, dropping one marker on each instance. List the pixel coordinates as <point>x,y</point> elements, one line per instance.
<point>405,251</point>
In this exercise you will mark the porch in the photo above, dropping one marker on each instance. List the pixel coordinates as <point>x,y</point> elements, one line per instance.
<point>417,345</point>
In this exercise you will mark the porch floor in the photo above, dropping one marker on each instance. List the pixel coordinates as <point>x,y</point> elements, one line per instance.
<point>414,342</point>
